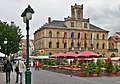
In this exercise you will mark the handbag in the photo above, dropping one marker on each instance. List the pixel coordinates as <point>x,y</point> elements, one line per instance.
<point>16,69</point>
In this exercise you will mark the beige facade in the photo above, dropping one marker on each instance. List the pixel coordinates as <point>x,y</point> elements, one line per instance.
<point>74,33</point>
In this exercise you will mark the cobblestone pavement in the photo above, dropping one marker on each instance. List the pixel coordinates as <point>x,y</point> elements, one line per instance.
<point>48,77</point>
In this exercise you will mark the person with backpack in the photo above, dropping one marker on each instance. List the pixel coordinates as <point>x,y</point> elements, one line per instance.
<point>21,67</point>
<point>7,69</point>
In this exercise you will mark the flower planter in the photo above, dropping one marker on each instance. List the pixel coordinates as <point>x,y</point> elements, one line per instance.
<point>82,74</point>
<point>117,73</point>
<point>109,73</point>
<point>99,74</point>
<point>91,74</point>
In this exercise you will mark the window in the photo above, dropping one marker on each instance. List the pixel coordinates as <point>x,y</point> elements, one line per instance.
<point>91,45</point>
<point>97,36</point>
<point>97,45</point>
<point>57,44</point>
<point>91,36</point>
<point>85,44</point>
<point>50,44</point>
<point>58,34</point>
<point>72,24</point>
<point>50,34</point>
<point>78,44</point>
<point>103,36</point>
<point>85,25</point>
<point>78,35</point>
<point>65,45</point>
<point>72,44</point>
<point>103,46</point>
<point>85,36</point>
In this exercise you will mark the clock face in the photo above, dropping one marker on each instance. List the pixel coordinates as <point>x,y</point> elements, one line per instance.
<point>79,25</point>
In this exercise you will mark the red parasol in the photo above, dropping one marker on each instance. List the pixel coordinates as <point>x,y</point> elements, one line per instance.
<point>60,54</point>
<point>70,54</point>
<point>88,54</point>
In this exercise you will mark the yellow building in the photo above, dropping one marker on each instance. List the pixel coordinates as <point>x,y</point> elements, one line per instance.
<point>74,33</point>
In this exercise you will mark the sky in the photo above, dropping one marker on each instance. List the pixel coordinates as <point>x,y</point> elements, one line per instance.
<point>102,13</point>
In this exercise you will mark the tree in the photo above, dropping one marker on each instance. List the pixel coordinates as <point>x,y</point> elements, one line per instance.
<point>13,34</point>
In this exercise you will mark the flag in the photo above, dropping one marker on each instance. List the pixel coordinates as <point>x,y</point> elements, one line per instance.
<point>64,37</point>
<point>65,34</point>
<point>92,38</point>
<point>72,35</point>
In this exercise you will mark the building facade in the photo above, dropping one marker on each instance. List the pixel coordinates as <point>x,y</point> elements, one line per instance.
<point>75,33</point>
<point>114,44</point>
<point>23,47</point>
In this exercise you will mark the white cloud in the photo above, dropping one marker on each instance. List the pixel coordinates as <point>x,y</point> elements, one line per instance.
<point>102,13</point>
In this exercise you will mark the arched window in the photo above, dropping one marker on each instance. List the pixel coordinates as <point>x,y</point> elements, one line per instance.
<point>91,36</point>
<point>78,44</point>
<point>65,45</point>
<point>113,55</point>
<point>103,36</point>
<point>50,44</point>
<point>103,46</point>
<point>85,25</point>
<point>85,36</point>
<point>72,44</point>
<point>97,45</point>
<point>78,35</point>
<point>50,34</point>
<point>85,44</point>
<point>58,34</point>
<point>57,44</point>
<point>72,24</point>
<point>91,45</point>
<point>97,36</point>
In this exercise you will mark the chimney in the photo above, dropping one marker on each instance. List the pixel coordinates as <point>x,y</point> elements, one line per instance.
<point>49,19</point>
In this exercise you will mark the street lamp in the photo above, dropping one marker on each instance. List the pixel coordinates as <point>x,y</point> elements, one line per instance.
<point>5,42</point>
<point>27,15</point>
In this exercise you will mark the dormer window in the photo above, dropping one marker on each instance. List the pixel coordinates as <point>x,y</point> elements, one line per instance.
<point>72,24</point>
<point>85,25</point>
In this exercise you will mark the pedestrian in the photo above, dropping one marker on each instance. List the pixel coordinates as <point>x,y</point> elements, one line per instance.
<point>21,67</point>
<point>37,65</point>
<point>7,69</point>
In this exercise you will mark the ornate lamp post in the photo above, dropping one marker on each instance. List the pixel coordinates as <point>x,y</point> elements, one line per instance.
<point>27,15</point>
<point>5,42</point>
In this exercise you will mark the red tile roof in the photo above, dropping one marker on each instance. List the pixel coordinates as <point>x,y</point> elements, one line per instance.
<point>115,38</point>
<point>117,33</point>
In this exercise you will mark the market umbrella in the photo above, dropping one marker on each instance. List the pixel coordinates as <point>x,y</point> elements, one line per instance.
<point>70,54</point>
<point>88,54</point>
<point>60,54</point>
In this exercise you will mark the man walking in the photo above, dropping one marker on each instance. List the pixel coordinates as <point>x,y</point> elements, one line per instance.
<point>7,68</point>
<point>21,66</point>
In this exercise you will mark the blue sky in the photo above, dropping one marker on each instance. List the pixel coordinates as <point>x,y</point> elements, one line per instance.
<point>102,13</point>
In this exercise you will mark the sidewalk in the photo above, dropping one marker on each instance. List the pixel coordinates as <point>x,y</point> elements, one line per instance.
<point>13,78</point>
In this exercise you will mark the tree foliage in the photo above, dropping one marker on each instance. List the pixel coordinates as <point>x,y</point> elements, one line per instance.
<point>13,35</point>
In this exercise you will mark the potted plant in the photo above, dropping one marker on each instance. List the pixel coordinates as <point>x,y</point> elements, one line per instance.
<point>99,65</point>
<point>109,67</point>
<point>83,70</point>
<point>117,70</point>
<point>91,68</point>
